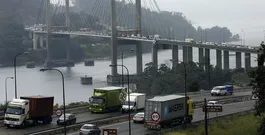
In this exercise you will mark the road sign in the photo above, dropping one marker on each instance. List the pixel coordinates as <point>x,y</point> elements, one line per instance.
<point>58,112</point>
<point>110,132</point>
<point>254,97</point>
<point>155,116</point>
<point>213,108</point>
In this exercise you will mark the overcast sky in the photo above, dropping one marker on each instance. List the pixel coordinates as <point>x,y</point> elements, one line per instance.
<point>234,14</point>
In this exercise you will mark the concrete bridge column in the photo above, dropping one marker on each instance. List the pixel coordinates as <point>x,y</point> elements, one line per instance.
<point>247,61</point>
<point>68,54</point>
<point>35,41</point>
<point>154,55</point>
<point>175,56</point>
<point>190,56</point>
<point>201,56</point>
<point>207,58</point>
<point>238,60</point>
<point>185,54</point>
<point>139,58</point>
<point>113,38</point>
<point>226,60</point>
<point>219,59</point>
<point>41,41</point>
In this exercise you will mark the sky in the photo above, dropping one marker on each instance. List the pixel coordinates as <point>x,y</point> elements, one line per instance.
<point>234,14</point>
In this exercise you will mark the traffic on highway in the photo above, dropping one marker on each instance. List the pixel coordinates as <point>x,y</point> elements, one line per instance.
<point>98,102</point>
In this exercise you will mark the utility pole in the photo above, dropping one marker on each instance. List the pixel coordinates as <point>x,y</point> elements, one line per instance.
<point>205,117</point>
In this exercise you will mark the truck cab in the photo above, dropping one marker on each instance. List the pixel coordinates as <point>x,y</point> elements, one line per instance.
<point>137,102</point>
<point>16,112</point>
<point>107,99</point>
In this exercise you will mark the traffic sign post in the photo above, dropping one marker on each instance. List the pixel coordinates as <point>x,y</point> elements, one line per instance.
<point>58,112</point>
<point>155,116</point>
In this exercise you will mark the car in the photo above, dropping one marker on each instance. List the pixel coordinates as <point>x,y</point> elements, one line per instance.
<point>213,103</point>
<point>89,129</point>
<point>139,117</point>
<point>69,119</point>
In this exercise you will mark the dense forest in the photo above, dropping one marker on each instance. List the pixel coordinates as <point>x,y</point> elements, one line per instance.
<point>16,14</point>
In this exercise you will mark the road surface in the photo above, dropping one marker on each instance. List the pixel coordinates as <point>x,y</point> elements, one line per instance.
<point>138,129</point>
<point>88,116</point>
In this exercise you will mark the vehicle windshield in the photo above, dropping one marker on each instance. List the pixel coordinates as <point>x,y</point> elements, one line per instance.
<point>216,88</point>
<point>66,116</point>
<point>96,100</point>
<point>127,103</point>
<point>140,115</point>
<point>87,127</point>
<point>14,110</point>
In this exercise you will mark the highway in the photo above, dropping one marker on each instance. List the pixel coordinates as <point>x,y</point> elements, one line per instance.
<point>138,129</point>
<point>88,116</point>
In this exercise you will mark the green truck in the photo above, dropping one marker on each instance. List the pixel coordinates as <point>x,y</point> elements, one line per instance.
<point>107,99</point>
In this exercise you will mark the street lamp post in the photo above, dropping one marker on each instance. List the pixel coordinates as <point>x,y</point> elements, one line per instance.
<point>15,70</point>
<point>6,88</point>
<point>128,92</point>
<point>122,78</point>
<point>63,93</point>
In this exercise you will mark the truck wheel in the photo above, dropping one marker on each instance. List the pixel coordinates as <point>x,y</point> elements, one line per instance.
<point>22,125</point>
<point>8,126</point>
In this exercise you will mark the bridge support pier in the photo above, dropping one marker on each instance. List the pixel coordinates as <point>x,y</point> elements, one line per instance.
<point>35,41</point>
<point>226,60</point>
<point>238,60</point>
<point>175,56</point>
<point>139,58</point>
<point>185,54</point>
<point>207,58</point>
<point>190,55</point>
<point>219,59</point>
<point>154,55</point>
<point>41,41</point>
<point>247,61</point>
<point>68,54</point>
<point>201,56</point>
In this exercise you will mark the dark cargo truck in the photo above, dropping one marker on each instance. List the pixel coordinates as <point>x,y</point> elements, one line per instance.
<point>167,111</point>
<point>29,111</point>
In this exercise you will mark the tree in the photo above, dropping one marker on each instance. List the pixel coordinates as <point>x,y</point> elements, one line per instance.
<point>258,84</point>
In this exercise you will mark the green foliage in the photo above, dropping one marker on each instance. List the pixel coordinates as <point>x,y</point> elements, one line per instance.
<point>237,125</point>
<point>168,81</point>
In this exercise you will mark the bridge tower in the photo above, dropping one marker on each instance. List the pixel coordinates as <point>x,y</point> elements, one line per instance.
<point>48,28</point>
<point>67,23</point>
<point>139,57</point>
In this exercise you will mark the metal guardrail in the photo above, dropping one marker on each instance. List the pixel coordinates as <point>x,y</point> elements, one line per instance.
<point>106,121</point>
<point>77,126</point>
<point>196,123</point>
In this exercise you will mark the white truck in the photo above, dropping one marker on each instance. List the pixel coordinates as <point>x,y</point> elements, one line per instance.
<point>137,102</point>
<point>29,111</point>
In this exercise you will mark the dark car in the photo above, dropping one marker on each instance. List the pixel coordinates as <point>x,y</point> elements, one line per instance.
<point>69,119</point>
<point>89,129</point>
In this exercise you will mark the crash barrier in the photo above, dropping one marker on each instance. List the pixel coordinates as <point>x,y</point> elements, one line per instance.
<point>77,126</point>
<point>227,100</point>
<point>196,123</point>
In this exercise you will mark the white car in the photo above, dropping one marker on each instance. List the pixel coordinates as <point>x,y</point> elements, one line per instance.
<point>213,103</point>
<point>139,117</point>
<point>219,90</point>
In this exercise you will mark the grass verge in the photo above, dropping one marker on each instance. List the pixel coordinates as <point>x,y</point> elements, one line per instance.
<point>237,125</point>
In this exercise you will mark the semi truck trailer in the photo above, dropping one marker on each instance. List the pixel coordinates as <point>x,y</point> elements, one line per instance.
<point>136,103</point>
<point>28,111</point>
<point>107,99</point>
<point>167,111</point>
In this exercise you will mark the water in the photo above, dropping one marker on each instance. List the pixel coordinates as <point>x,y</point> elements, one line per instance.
<point>33,82</point>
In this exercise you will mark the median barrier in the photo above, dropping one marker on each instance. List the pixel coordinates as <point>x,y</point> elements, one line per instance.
<point>77,126</point>
<point>196,123</point>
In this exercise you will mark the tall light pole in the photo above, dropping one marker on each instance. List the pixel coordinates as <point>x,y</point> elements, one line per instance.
<point>264,34</point>
<point>63,93</point>
<point>15,70</point>
<point>122,64</point>
<point>128,92</point>
<point>6,87</point>
<point>185,89</point>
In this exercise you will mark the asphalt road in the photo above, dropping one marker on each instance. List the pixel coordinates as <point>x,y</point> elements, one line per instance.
<point>88,116</point>
<point>138,129</point>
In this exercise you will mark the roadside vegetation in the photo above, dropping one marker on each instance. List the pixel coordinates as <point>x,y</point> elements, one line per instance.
<point>236,125</point>
<point>166,80</point>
